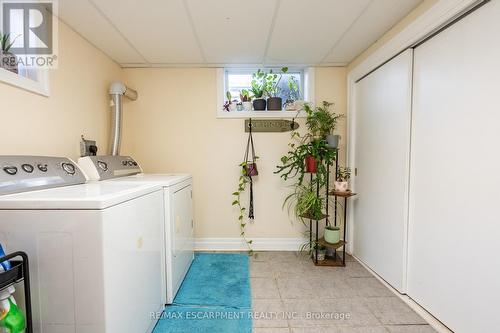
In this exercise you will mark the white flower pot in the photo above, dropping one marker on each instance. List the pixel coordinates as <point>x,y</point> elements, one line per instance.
<point>247,106</point>
<point>232,107</point>
<point>341,186</point>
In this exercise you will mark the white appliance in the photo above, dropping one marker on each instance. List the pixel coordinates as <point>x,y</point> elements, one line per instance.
<point>95,249</point>
<point>178,216</point>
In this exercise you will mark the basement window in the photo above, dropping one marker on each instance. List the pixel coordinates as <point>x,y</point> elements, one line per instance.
<point>295,85</point>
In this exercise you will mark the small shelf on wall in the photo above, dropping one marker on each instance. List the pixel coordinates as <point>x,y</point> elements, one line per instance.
<point>261,114</point>
<point>341,194</point>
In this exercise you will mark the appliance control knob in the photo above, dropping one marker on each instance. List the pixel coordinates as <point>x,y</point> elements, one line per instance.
<point>69,168</point>
<point>42,167</point>
<point>130,163</point>
<point>102,165</point>
<point>124,163</point>
<point>135,163</point>
<point>11,170</point>
<point>28,168</point>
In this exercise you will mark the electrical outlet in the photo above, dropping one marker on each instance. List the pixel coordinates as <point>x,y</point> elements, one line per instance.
<point>87,147</point>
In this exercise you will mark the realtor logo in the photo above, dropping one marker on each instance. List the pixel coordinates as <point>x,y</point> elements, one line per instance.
<point>30,28</point>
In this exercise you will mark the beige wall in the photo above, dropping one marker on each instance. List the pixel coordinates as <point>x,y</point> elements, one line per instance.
<point>172,127</point>
<point>78,103</point>
<point>412,16</point>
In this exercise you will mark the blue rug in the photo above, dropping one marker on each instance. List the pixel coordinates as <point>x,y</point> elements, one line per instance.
<point>214,297</point>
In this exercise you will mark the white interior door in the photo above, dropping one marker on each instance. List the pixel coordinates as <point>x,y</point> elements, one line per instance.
<point>454,228</point>
<point>383,117</point>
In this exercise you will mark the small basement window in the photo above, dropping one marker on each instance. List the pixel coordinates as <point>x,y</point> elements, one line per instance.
<point>242,86</point>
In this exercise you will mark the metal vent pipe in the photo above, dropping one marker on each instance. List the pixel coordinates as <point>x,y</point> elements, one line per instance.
<point>117,90</point>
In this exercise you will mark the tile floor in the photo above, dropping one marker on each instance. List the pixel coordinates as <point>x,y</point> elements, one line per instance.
<point>290,295</point>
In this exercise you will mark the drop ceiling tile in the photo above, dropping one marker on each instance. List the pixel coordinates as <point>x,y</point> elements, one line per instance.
<point>379,17</point>
<point>159,29</point>
<point>85,19</point>
<point>305,31</point>
<point>232,31</point>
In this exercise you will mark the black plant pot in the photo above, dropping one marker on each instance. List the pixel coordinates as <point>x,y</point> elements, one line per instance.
<point>259,104</point>
<point>274,103</point>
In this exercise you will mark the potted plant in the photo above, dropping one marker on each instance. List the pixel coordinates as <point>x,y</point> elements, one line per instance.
<point>311,164</point>
<point>274,102</point>
<point>292,102</point>
<point>321,252</point>
<point>258,89</point>
<point>230,105</point>
<point>321,122</point>
<point>332,234</point>
<point>305,203</point>
<point>8,60</point>
<point>342,182</point>
<point>246,100</point>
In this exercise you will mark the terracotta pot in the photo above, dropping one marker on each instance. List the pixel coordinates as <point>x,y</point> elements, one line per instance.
<point>251,169</point>
<point>311,164</point>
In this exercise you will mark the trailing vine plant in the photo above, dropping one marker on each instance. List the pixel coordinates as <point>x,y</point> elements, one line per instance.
<point>244,180</point>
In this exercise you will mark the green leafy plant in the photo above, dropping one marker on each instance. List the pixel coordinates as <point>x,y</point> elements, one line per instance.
<point>5,43</point>
<point>294,91</point>
<point>272,82</point>
<point>305,202</point>
<point>320,120</point>
<point>258,84</point>
<point>245,96</point>
<point>292,164</point>
<point>244,179</point>
<point>343,174</point>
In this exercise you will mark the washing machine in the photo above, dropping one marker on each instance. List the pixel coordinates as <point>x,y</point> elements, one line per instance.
<point>95,249</point>
<point>178,210</point>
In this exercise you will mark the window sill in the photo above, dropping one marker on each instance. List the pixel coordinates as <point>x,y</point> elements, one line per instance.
<point>260,114</point>
<point>40,87</point>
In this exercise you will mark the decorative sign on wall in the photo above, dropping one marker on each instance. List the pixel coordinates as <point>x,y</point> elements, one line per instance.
<point>270,125</point>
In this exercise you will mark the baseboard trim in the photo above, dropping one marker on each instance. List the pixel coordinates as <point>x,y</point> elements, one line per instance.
<point>258,244</point>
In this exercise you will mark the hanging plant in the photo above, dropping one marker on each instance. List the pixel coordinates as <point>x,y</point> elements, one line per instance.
<point>248,170</point>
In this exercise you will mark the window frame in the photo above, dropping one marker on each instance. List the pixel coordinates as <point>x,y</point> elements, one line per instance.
<point>307,88</point>
<point>41,86</point>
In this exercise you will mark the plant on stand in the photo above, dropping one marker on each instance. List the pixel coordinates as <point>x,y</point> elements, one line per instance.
<point>322,122</point>
<point>309,153</point>
<point>246,100</point>
<point>8,60</point>
<point>341,184</point>
<point>274,102</point>
<point>258,89</point>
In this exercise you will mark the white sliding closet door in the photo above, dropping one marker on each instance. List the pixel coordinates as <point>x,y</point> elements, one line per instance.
<point>454,226</point>
<point>383,117</point>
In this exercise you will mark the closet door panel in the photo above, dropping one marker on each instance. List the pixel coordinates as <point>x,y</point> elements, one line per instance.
<point>454,226</point>
<point>383,116</point>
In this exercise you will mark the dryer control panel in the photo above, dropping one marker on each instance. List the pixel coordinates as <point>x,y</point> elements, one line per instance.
<point>108,166</point>
<point>29,173</point>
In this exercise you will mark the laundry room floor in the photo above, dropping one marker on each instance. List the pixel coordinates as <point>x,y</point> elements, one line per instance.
<point>291,295</point>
